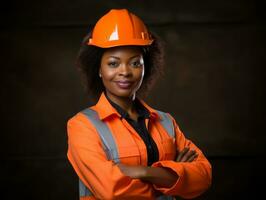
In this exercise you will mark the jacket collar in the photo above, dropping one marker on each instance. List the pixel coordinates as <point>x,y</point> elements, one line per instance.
<point>105,109</point>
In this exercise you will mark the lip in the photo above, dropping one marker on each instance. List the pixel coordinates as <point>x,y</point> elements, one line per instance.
<point>124,84</point>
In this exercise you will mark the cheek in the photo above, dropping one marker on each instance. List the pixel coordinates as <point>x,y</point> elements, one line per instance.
<point>107,78</point>
<point>107,74</point>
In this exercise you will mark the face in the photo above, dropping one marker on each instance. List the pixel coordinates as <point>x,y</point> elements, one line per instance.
<point>122,71</point>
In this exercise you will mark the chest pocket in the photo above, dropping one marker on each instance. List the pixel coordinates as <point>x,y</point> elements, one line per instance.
<point>129,155</point>
<point>169,149</point>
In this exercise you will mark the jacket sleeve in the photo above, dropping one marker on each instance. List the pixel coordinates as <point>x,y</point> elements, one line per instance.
<point>194,177</point>
<point>101,176</point>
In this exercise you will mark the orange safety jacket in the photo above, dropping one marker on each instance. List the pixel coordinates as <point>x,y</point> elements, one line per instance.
<point>98,139</point>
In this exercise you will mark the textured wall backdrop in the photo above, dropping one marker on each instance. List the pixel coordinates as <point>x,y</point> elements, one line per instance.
<point>213,85</point>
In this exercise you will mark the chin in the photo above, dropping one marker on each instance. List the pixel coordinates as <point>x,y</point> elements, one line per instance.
<point>125,93</point>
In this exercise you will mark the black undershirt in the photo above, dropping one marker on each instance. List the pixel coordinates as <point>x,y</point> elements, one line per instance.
<point>140,127</point>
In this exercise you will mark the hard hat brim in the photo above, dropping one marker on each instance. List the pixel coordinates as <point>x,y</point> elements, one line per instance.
<point>116,43</point>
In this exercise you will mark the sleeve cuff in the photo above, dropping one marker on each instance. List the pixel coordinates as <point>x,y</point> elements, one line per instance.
<point>177,168</point>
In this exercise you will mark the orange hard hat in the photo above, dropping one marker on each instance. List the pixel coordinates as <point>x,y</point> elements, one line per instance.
<point>120,28</point>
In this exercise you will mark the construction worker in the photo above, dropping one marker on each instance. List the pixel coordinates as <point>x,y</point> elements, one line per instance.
<point>121,148</point>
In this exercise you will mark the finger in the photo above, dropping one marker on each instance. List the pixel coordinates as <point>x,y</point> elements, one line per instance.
<point>188,155</point>
<point>181,154</point>
<point>192,158</point>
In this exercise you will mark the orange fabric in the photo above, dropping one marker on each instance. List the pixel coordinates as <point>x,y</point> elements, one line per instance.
<point>87,198</point>
<point>118,28</point>
<point>104,178</point>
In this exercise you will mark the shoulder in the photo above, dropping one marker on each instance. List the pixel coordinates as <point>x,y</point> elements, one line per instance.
<point>168,118</point>
<point>165,115</point>
<point>80,130</point>
<point>80,119</point>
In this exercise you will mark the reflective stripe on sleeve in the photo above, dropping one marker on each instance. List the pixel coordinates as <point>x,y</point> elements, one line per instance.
<point>83,190</point>
<point>164,197</point>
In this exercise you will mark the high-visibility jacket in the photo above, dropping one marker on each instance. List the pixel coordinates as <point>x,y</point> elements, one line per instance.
<point>95,162</point>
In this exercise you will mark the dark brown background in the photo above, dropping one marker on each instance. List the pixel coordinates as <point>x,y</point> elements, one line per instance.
<point>213,86</point>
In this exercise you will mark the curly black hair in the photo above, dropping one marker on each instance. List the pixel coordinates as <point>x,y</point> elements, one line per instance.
<point>89,60</point>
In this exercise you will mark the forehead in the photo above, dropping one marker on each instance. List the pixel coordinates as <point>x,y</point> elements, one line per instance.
<point>122,51</point>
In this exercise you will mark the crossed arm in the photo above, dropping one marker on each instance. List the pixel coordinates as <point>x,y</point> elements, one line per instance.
<point>161,176</point>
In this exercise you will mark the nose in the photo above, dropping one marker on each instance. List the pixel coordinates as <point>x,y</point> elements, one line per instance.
<point>125,70</point>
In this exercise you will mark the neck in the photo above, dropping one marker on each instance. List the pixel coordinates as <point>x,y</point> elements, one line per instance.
<point>126,103</point>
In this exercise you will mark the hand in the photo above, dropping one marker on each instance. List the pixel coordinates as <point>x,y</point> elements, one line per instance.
<point>163,177</point>
<point>187,155</point>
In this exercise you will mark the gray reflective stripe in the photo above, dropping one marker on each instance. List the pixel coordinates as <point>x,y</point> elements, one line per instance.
<point>167,123</point>
<point>165,198</point>
<point>105,134</point>
<point>83,190</point>
<point>108,143</point>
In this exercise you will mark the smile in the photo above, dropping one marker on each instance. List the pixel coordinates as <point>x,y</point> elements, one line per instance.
<point>124,84</point>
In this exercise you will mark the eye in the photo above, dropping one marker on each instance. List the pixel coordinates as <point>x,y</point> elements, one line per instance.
<point>113,64</point>
<point>137,63</point>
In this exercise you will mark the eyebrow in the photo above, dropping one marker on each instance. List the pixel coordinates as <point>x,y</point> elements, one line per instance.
<point>119,58</point>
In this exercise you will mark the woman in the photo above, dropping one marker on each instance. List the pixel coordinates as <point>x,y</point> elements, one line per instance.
<point>121,148</point>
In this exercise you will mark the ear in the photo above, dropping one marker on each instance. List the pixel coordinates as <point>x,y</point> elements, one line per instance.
<point>100,73</point>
